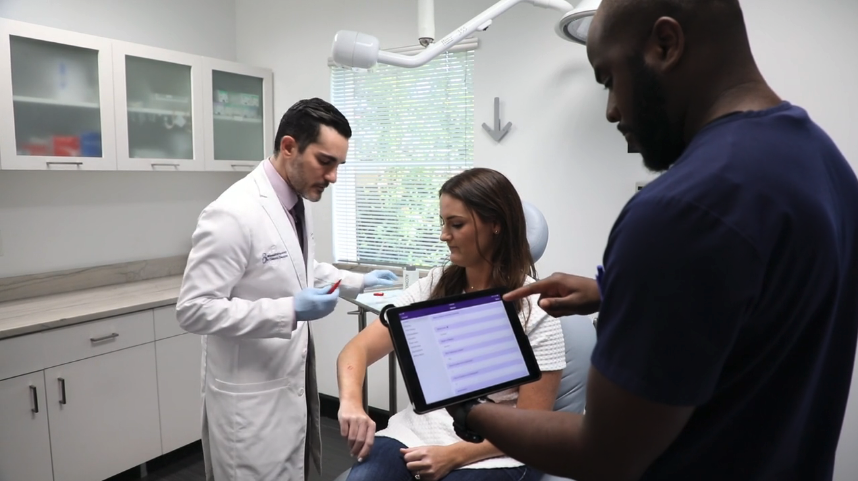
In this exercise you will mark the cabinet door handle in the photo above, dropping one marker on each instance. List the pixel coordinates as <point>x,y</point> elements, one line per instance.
<point>241,167</point>
<point>50,163</point>
<point>62,390</point>
<point>35,395</point>
<point>96,340</point>
<point>162,164</point>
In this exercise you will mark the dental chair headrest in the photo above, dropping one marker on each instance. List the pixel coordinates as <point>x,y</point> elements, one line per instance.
<point>537,230</point>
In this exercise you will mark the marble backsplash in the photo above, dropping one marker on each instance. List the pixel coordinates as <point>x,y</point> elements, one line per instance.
<point>58,282</point>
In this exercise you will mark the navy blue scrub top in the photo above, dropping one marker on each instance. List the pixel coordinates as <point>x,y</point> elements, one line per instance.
<point>730,283</point>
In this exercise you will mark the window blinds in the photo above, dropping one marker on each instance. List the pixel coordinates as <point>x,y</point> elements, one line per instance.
<point>412,129</point>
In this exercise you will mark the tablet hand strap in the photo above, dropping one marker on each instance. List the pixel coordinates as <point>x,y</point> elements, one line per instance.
<point>460,420</point>
<point>382,316</point>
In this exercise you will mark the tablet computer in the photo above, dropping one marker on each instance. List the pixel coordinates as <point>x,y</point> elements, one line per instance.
<point>461,347</point>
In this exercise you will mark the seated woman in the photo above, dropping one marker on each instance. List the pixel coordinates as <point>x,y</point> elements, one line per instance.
<point>484,228</point>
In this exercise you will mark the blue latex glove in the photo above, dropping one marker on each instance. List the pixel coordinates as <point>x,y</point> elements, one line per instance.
<point>379,278</point>
<point>314,303</point>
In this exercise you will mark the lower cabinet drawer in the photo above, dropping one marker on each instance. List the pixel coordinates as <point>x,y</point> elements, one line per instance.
<point>69,344</point>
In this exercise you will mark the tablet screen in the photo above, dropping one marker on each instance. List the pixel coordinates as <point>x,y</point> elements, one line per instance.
<point>462,347</point>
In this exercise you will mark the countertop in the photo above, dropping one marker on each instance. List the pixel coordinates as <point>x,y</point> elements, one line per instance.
<point>37,314</point>
<point>372,303</point>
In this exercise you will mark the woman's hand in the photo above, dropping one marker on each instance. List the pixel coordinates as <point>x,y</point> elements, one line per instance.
<point>430,462</point>
<point>358,428</point>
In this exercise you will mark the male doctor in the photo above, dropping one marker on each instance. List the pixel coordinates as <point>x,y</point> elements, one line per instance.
<point>248,288</point>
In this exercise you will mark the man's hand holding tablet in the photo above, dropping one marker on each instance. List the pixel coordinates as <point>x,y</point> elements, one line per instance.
<point>460,348</point>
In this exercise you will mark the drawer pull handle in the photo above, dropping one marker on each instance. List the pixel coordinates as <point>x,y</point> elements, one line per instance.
<point>62,390</point>
<point>35,395</point>
<point>96,340</point>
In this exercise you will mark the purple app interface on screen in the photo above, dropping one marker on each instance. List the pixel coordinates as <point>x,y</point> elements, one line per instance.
<point>462,347</point>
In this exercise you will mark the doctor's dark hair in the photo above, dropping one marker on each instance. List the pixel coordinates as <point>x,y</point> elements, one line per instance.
<point>303,120</point>
<point>489,195</point>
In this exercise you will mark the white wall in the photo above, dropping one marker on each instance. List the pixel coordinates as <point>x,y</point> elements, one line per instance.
<point>61,220</point>
<point>202,27</point>
<point>561,154</point>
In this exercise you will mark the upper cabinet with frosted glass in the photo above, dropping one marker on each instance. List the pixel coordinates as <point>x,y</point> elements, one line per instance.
<point>159,109</point>
<point>70,101</point>
<point>238,110</point>
<point>56,100</point>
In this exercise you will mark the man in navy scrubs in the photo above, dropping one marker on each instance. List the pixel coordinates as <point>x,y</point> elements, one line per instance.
<point>728,302</point>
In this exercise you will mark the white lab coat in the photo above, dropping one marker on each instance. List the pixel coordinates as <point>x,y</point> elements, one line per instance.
<point>243,269</point>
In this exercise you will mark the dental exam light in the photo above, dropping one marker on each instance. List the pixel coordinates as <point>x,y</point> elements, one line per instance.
<point>360,50</point>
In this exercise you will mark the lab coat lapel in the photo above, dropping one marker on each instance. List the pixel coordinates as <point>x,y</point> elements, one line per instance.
<point>271,204</point>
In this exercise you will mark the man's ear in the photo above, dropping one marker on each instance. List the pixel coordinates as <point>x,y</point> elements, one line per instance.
<point>666,45</point>
<point>288,146</point>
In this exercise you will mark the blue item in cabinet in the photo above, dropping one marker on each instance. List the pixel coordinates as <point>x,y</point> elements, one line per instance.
<point>90,144</point>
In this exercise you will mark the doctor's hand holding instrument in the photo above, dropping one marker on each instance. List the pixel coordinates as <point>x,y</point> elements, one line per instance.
<point>379,278</point>
<point>315,303</point>
<point>562,295</point>
<point>334,287</point>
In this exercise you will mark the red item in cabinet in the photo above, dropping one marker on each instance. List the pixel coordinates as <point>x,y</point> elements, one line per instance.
<point>36,149</point>
<point>66,146</point>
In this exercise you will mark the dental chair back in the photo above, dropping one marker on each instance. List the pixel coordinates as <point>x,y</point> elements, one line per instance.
<point>579,335</point>
<point>537,230</point>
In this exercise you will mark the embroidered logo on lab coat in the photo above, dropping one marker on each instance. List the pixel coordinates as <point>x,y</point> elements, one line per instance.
<point>273,256</point>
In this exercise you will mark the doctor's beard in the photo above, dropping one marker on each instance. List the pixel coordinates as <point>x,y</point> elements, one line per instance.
<point>298,179</point>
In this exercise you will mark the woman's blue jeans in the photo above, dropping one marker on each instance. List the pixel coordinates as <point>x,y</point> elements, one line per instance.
<point>386,463</point>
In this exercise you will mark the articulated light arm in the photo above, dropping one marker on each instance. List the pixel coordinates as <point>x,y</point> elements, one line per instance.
<point>354,49</point>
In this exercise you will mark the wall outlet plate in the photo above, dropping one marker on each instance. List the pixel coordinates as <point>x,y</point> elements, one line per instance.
<point>640,185</point>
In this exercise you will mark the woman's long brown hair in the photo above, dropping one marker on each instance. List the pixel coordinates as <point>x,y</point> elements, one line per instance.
<point>490,195</point>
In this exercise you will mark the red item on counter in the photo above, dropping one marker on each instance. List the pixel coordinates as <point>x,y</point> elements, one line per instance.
<point>66,146</point>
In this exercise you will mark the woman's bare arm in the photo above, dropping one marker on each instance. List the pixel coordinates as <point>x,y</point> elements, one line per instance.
<point>367,347</point>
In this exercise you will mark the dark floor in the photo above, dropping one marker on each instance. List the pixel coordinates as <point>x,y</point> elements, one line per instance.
<point>186,464</point>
